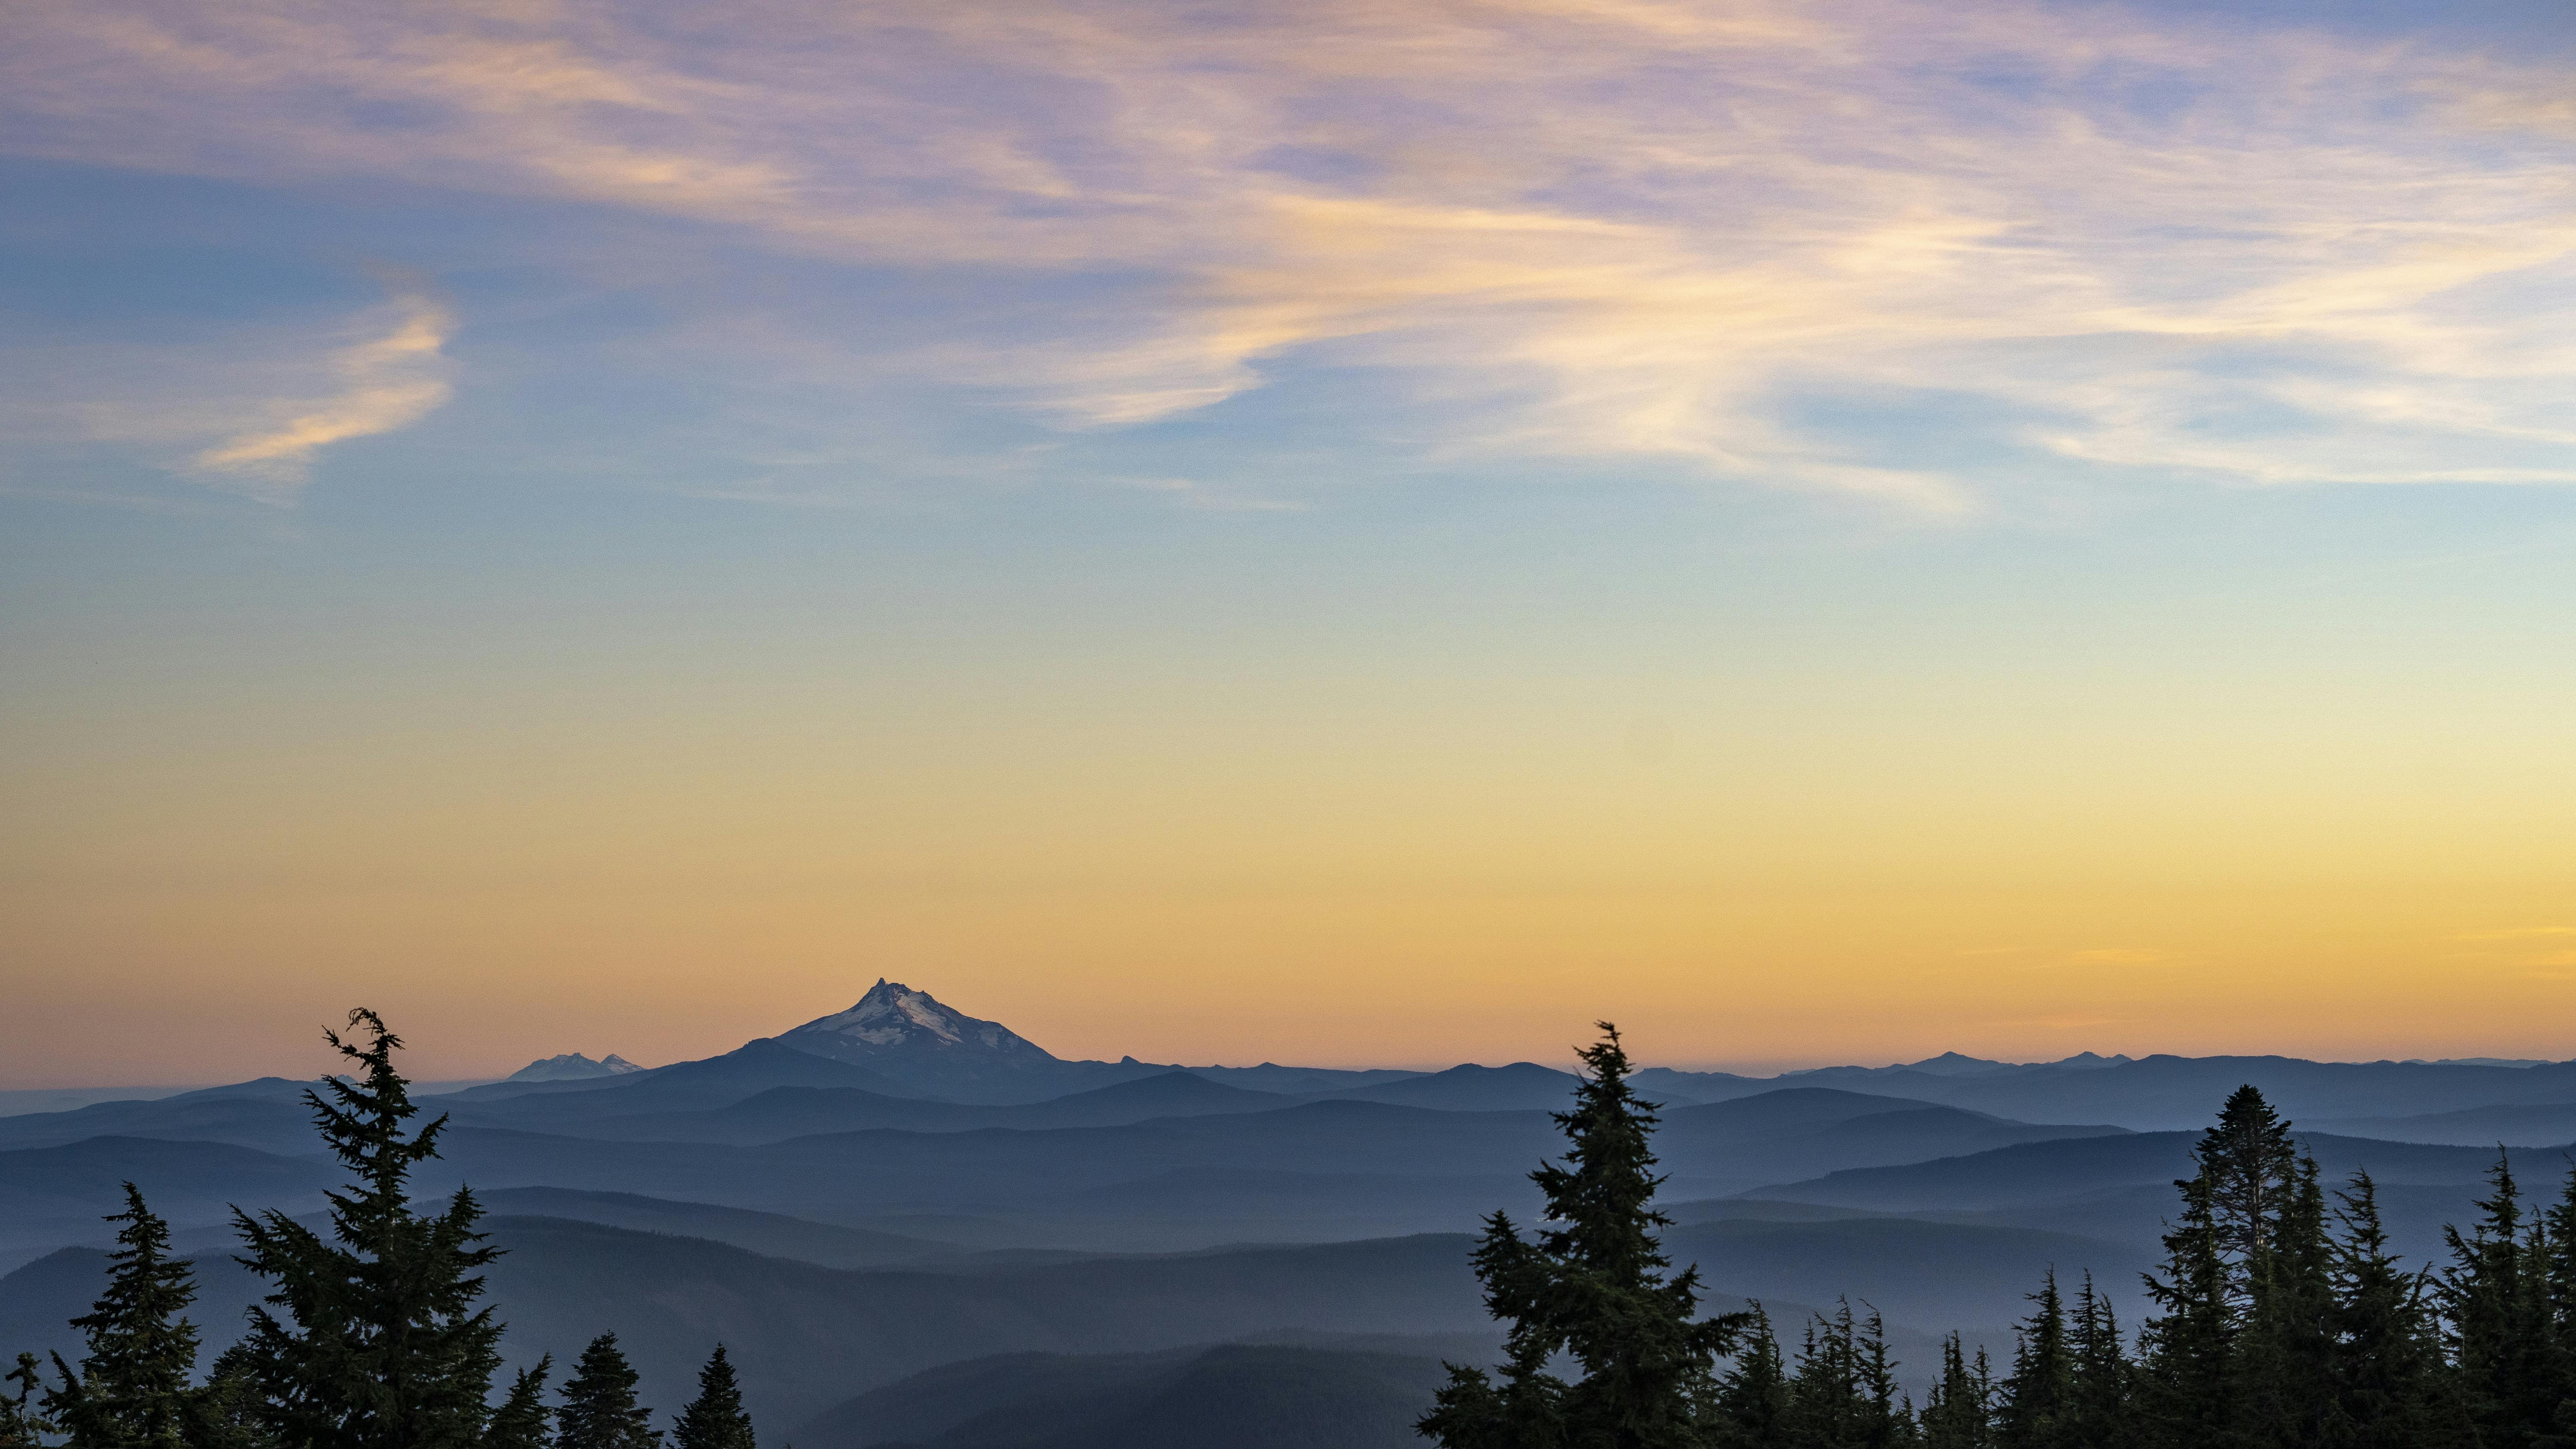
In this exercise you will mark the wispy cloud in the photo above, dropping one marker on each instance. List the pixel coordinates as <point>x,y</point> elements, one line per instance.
<point>245,408</point>
<point>1874,247</point>
<point>386,382</point>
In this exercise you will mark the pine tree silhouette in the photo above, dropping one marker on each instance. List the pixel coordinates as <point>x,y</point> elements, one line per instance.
<point>382,1346</point>
<point>2285,1371</point>
<point>2493,1296</point>
<point>2384,1356</point>
<point>2105,1379</point>
<point>523,1421</point>
<point>1960,1414</point>
<point>715,1418</point>
<point>1593,1286</point>
<point>1750,1405</point>
<point>2039,1394</point>
<point>599,1409</point>
<point>131,1390</point>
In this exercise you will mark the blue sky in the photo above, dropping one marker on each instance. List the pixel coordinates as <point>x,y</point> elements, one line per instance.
<point>2026,472</point>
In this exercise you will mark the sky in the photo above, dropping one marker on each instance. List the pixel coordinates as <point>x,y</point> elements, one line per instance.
<point>1344,533</point>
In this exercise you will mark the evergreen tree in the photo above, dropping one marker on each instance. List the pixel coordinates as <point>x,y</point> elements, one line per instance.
<point>2557,1270</point>
<point>2187,1398</point>
<point>2099,1417</point>
<point>523,1421</point>
<point>228,1409</point>
<point>1825,1409</point>
<point>1750,1407</point>
<point>22,1420</point>
<point>382,1347</point>
<point>2285,1369</point>
<point>1524,1410</point>
<point>1960,1413</point>
<point>1808,1419</point>
<point>599,1409</point>
<point>1843,1394</point>
<point>1593,1286</point>
<point>2494,1300</point>
<point>715,1418</point>
<point>2383,1359</point>
<point>2252,1168</point>
<point>1887,1417</point>
<point>2039,1395</point>
<point>131,1390</point>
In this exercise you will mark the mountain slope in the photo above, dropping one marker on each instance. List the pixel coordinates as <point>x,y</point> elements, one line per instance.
<point>698,1086</point>
<point>1725,1146</point>
<point>784,1112</point>
<point>1301,1081</point>
<point>772,1235</point>
<point>2540,1125</point>
<point>53,1189</point>
<point>1520,1087</point>
<point>2162,1093</point>
<point>987,1169</point>
<point>2070,1169</point>
<point>266,1122</point>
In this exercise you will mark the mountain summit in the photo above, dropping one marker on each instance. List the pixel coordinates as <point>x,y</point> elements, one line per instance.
<point>573,1067</point>
<point>913,1037</point>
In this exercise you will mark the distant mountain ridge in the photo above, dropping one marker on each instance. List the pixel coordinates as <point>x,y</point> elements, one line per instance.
<point>572,1067</point>
<point>901,1042</point>
<point>2166,1093</point>
<point>1959,1064</point>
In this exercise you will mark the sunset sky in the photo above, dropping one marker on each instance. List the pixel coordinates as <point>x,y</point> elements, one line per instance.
<point>1346,531</point>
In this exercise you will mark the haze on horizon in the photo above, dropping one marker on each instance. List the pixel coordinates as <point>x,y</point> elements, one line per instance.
<point>1353,535</point>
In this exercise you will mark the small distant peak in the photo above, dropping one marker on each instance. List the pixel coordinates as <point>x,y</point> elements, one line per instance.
<point>2090,1061</point>
<point>572,1067</point>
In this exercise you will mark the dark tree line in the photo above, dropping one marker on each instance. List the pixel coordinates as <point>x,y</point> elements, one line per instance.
<point>2281,1321</point>
<point>372,1335</point>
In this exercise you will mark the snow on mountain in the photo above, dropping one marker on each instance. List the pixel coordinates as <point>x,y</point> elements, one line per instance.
<point>573,1067</point>
<point>895,1021</point>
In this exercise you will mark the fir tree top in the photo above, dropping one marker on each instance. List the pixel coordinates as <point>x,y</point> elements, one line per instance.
<point>131,1390</point>
<point>1593,1288</point>
<point>387,1349</point>
<point>599,1409</point>
<point>715,1418</point>
<point>1601,1199</point>
<point>2253,1170</point>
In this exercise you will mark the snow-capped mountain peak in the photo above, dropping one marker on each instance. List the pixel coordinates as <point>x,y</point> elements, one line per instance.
<point>895,1020</point>
<point>892,1012</point>
<point>573,1067</point>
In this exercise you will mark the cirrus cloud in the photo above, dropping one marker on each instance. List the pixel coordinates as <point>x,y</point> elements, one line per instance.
<point>1873,247</point>
<point>386,382</point>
